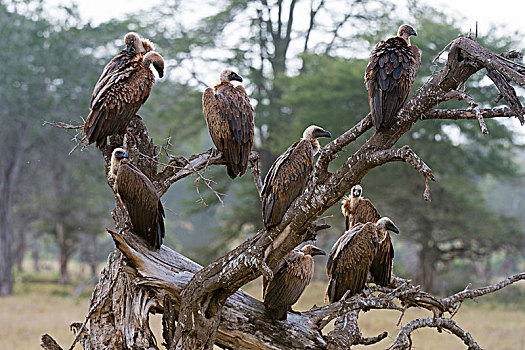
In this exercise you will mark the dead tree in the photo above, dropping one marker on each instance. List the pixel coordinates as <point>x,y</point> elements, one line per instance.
<point>204,306</point>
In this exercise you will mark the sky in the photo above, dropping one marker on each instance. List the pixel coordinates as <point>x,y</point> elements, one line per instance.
<point>507,12</point>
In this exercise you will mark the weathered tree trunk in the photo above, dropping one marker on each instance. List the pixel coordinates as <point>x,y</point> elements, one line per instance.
<point>63,250</point>
<point>35,251</point>
<point>426,269</point>
<point>6,242</point>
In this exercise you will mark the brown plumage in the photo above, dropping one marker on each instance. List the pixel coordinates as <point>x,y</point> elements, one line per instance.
<point>357,209</point>
<point>140,198</point>
<point>290,277</point>
<point>134,46</point>
<point>390,75</point>
<point>229,116</point>
<point>351,258</point>
<point>118,96</point>
<point>289,174</point>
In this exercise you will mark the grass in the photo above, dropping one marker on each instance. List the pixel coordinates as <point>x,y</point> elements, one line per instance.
<point>38,308</point>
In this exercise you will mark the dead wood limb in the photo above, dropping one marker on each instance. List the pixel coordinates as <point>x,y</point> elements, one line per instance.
<point>329,152</point>
<point>458,114</point>
<point>461,95</point>
<point>405,154</point>
<point>49,343</point>
<point>179,167</point>
<point>507,92</point>
<point>402,340</point>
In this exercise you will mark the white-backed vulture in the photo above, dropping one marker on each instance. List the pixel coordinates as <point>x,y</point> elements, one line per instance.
<point>229,116</point>
<point>140,198</point>
<point>351,258</point>
<point>357,209</point>
<point>119,95</point>
<point>290,277</point>
<point>289,175</point>
<point>390,75</point>
<point>134,46</point>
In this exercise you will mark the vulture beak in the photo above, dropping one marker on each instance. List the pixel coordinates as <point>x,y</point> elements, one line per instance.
<point>125,155</point>
<point>128,48</point>
<point>357,193</point>
<point>237,77</point>
<point>321,133</point>
<point>414,33</point>
<point>391,227</point>
<point>159,68</point>
<point>317,251</point>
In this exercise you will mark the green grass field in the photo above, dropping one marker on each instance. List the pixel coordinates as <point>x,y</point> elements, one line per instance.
<point>38,308</point>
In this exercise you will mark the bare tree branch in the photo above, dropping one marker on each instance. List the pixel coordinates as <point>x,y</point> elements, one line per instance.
<point>402,340</point>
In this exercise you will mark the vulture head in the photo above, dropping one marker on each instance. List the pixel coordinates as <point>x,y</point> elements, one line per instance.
<point>405,31</point>
<point>228,75</point>
<point>312,133</point>
<point>116,157</point>
<point>148,45</point>
<point>133,43</point>
<point>157,61</point>
<point>356,191</point>
<point>312,250</point>
<point>385,224</point>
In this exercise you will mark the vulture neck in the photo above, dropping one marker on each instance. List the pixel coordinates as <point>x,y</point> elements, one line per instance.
<point>222,83</point>
<point>381,235</point>
<point>314,143</point>
<point>406,39</point>
<point>354,201</point>
<point>115,164</point>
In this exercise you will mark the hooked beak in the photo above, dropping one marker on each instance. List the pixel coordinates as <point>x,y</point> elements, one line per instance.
<point>159,68</point>
<point>321,133</point>
<point>414,33</point>
<point>391,227</point>
<point>317,251</point>
<point>128,48</point>
<point>237,77</point>
<point>125,155</point>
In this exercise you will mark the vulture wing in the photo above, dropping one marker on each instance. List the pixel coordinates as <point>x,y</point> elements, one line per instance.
<point>142,201</point>
<point>229,116</point>
<point>291,276</point>
<point>365,212</point>
<point>286,180</point>
<point>113,65</point>
<point>389,77</point>
<point>350,260</point>
<point>383,262</point>
<point>118,99</point>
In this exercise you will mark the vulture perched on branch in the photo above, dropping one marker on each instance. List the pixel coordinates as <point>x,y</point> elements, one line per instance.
<point>140,198</point>
<point>357,209</point>
<point>390,75</point>
<point>134,46</point>
<point>119,94</point>
<point>351,257</point>
<point>229,116</point>
<point>290,277</point>
<point>289,174</point>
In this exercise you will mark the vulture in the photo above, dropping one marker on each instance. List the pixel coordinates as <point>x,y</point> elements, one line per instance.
<point>119,94</point>
<point>290,277</point>
<point>289,174</point>
<point>351,257</point>
<point>357,209</point>
<point>390,75</point>
<point>134,46</point>
<point>140,198</point>
<point>229,116</point>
